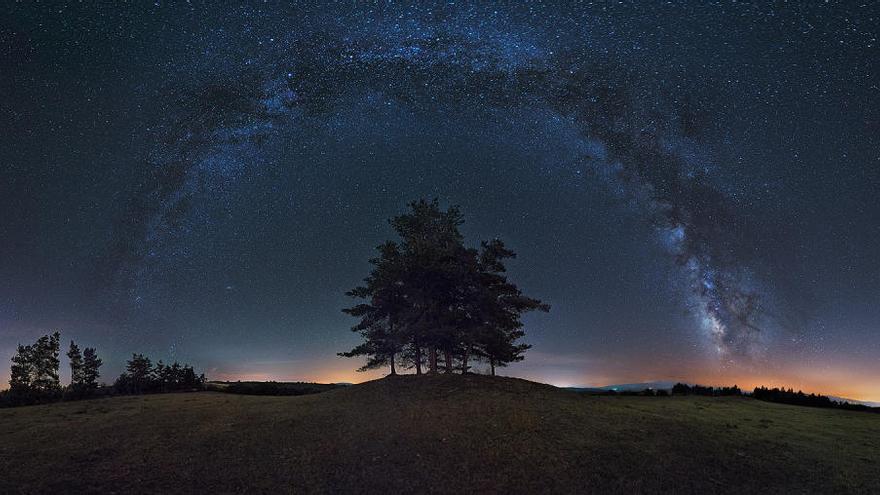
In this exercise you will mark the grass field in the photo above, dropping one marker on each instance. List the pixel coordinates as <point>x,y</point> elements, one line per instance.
<point>271,388</point>
<point>436,434</point>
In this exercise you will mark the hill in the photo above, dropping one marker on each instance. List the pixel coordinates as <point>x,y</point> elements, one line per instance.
<point>626,387</point>
<point>436,434</point>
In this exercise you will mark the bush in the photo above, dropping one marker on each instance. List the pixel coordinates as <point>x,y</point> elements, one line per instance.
<point>15,398</point>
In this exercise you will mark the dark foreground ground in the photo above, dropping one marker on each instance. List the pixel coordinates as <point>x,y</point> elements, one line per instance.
<point>436,434</point>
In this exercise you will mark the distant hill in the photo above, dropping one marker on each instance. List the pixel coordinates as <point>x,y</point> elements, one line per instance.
<point>627,387</point>
<point>667,385</point>
<point>853,401</point>
<point>436,434</point>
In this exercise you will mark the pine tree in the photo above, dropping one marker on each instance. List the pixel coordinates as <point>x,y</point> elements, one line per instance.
<point>162,373</point>
<point>381,317</point>
<point>22,371</point>
<point>90,372</point>
<point>77,379</point>
<point>189,380</point>
<point>175,375</point>
<point>45,365</point>
<point>431,252</point>
<point>407,290</point>
<point>499,306</point>
<point>139,374</point>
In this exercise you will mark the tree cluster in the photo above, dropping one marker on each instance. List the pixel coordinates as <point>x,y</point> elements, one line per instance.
<point>34,375</point>
<point>781,395</point>
<point>83,370</point>
<point>34,372</point>
<point>799,398</point>
<point>685,389</point>
<point>429,297</point>
<point>141,376</point>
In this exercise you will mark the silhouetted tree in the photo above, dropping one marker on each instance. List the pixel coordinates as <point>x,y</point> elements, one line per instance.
<point>22,371</point>
<point>163,376</point>
<point>496,308</point>
<point>46,363</point>
<point>410,288</point>
<point>380,317</point>
<point>429,295</point>
<point>189,380</point>
<point>76,368</point>
<point>138,376</point>
<point>34,371</point>
<point>431,251</point>
<point>90,370</point>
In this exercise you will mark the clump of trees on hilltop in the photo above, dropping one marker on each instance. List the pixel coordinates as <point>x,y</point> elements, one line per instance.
<point>34,375</point>
<point>141,376</point>
<point>430,298</point>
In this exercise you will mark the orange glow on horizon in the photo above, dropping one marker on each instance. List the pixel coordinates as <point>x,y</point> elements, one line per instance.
<point>838,386</point>
<point>843,383</point>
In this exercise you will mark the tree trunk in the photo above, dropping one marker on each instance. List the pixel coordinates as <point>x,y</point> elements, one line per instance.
<point>448,357</point>
<point>464,361</point>
<point>492,365</point>
<point>432,359</point>
<point>393,354</point>
<point>418,360</point>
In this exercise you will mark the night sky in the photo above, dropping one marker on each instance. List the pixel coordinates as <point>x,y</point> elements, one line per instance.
<point>694,189</point>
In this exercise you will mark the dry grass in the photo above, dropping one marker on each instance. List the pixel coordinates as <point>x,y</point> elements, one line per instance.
<point>436,434</point>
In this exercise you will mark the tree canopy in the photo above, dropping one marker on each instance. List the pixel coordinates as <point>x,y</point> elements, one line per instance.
<point>428,295</point>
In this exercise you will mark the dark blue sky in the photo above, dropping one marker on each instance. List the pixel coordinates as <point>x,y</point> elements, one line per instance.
<point>693,188</point>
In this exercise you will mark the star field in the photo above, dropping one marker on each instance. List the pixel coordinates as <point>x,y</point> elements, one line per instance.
<point>693,188</point>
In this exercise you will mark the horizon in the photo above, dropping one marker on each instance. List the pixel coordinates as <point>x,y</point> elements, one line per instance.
<point>692,189</point>
<point>347,375</point>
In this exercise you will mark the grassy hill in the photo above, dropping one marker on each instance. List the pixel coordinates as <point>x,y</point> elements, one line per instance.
<point>436,434</point>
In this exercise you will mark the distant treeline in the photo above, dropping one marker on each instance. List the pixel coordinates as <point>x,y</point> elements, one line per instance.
<point>811,400</point>
<point>678,389</point>
<point>271,388</point>
<point>34,375</point>
<point>685,389</point>
<point>779,395</point>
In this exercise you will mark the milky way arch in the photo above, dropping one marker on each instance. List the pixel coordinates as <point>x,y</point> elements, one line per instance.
<point>632,131</point>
